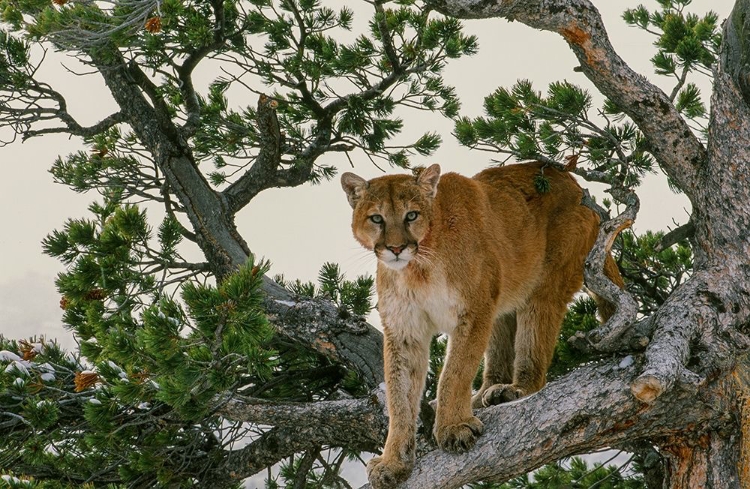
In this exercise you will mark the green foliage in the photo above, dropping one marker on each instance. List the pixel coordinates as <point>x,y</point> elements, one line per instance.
<point>334,90</point>
<point>304,55</point>
<point>652,275</point>
<point>142,408</point>
<point>685,40</point>
<point>686,43</point>
<point>351,296</point>
<point>523,123</point>
<point>320,469</point>
<point>576,473</point>
<point>581,316</point>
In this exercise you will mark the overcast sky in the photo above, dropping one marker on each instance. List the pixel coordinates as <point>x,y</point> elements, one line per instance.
<point>297,229</point>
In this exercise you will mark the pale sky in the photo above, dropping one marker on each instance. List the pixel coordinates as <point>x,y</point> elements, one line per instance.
<point>297,229</point>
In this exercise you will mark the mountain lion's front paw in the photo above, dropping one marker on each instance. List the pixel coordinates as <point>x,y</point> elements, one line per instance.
<point>461,437</point>
<point>500,393</point>
<point>386,475</point>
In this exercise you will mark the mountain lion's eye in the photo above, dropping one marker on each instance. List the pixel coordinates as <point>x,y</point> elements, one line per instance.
<point>376,218</point>
<point>411,216</point>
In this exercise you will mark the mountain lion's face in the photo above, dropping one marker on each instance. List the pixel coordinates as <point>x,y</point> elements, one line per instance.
<point>392,214</point>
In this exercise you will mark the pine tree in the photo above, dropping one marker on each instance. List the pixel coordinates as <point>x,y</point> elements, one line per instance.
<point>205,373</point>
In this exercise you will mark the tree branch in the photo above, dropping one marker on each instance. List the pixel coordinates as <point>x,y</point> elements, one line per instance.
<point>607,337</point>
<point>264,172</point>
<point>369,412</point>
<point>678,151</point>
<point>676,235</point>
<point>356,423</point>
<point>590,408</point>
<point>185,71</point>
<point>317,323</point>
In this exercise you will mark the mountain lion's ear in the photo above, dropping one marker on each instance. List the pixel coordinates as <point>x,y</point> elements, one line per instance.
<point>428,179</point>
<point>354,186</point>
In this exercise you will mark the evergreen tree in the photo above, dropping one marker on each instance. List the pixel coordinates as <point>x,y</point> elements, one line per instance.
<point>205,373</point>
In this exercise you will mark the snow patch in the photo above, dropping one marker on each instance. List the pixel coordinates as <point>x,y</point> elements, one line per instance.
<point>96,402</point>
<point>287,303</point>
<point>21,366</point>
<point>9,479</point>
<point>144,406</point>
<point>627,362</point>
<point>46,367</point>
<point>8,356</point>
<point>48,377</point>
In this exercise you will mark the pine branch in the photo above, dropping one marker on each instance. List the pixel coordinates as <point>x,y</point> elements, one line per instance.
<point>678,151</point>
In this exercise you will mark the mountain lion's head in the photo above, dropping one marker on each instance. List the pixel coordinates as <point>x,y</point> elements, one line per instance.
<point>392,214</point>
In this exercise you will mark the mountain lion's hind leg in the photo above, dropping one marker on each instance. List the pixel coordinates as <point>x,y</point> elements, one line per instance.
<point>538,327</point>
<point>498,358</point>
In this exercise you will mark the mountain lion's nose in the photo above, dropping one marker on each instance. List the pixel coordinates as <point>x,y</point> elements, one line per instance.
<point>396,249</point>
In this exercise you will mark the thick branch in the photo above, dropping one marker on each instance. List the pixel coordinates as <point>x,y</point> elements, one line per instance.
<point>678,151</point>
<point>589,409</point>
<point>317,323</point>
<point>735,52</point>
<point>367,411</point>
<point>359,424</point>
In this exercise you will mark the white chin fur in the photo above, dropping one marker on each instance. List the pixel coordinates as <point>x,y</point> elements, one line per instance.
<point>399,264</point>
<point>396,262</point>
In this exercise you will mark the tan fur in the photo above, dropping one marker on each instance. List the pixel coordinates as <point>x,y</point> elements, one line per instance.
<point>489,261</point>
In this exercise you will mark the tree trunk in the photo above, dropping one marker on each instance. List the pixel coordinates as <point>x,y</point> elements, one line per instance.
<point>716,458</point>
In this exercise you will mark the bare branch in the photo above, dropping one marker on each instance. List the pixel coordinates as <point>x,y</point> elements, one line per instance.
<point>607,336</point>
<point>295,414</point>
<point>676,235</point>
<point>357,423</point>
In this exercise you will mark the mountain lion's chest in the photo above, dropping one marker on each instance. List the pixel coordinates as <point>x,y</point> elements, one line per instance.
<point>428,308</point>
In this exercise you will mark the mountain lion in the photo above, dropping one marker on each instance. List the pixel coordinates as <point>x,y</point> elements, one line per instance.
<point>490,261</point>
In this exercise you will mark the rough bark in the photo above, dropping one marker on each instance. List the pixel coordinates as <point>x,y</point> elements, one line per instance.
<point>359,424</point>
<point>589,409</point>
